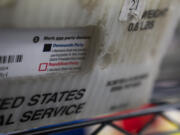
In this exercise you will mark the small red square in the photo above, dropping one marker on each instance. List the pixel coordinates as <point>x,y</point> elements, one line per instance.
<point>43,66</point>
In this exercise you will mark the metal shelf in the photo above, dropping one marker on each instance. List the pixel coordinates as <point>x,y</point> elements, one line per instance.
<point>108,121</point>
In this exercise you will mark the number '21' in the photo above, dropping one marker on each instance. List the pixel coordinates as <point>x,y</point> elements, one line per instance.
<point>134,4</point>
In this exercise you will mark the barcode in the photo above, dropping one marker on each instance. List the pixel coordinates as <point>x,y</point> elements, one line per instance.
<point>11,59</point>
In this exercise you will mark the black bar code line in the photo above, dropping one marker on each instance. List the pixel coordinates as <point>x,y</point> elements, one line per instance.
<point>11,59</point>
<point>19,58</point>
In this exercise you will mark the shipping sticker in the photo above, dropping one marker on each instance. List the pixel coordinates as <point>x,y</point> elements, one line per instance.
<point>38,52</point>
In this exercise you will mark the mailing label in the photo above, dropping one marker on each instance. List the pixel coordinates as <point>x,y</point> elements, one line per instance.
<point>37,52</point>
